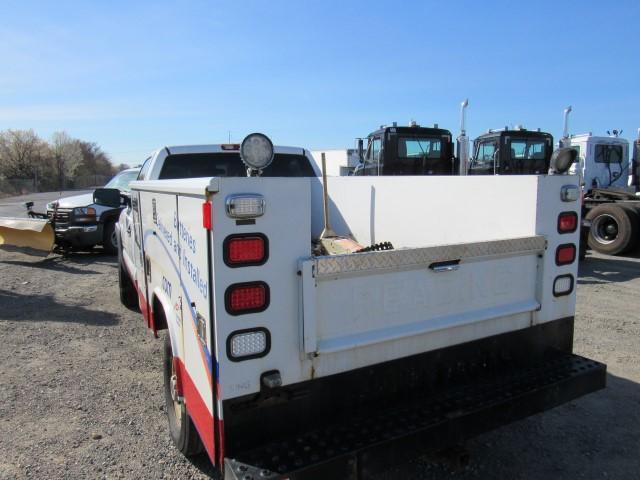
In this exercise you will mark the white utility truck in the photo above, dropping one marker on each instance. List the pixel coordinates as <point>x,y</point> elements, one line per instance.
<point>610,180</point>
<point>284,361</point>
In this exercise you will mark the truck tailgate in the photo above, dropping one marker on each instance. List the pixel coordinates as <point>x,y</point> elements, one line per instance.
<point>358,300</point>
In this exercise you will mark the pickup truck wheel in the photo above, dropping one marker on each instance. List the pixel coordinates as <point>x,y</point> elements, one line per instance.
<point>614,229</point>
<point>110,238</point>
<point>128,294</point>
<point>181,428</point>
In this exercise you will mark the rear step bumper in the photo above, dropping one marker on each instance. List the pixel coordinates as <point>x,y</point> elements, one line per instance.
<point>366,445</point>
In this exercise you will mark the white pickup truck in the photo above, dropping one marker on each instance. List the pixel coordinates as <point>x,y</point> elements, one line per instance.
<point>283,363</point>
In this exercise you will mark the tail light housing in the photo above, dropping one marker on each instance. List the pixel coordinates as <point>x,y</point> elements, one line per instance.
<point>247,344</point>
<point>567,222</point>
<point>245,250</point>
<point>250,297</point>
<point>565,254</point>
<point>563,285</point>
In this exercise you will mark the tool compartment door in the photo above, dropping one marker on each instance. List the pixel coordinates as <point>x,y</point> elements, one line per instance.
<point>390,299</point>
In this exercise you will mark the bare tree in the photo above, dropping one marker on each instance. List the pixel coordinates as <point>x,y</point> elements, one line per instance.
<point>23,154</point>
<point>67,156</point>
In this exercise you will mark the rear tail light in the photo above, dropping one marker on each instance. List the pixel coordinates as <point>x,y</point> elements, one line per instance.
<point>246,298</point>
<point>245,250</point>
<point>248,344</point>
<point>563,285</point>
<point>565,254</point>
<point>567,222</point>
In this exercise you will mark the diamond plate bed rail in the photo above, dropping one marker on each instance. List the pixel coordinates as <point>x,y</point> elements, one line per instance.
<point>336,265</point>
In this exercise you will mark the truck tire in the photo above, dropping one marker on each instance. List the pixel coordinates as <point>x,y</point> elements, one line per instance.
<point>128,294</point>
<point>182,430</point>
<point>614,229</point>
<point>110,238</point>
<point>633,211</point>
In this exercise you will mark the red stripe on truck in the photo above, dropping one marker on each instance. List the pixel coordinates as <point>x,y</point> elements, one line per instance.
<point>198,411</point>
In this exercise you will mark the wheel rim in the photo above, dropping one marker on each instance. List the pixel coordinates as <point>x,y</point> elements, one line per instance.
<point>605,229</point>
<point>114,239</point>
<point>177,405</point>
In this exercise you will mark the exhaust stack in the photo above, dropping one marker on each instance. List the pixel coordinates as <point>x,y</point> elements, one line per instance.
<point>565,130</point>
<point>463,140</point>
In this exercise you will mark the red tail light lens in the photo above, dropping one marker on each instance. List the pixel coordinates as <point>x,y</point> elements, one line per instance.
<point>567,222</point>
<point>247,298</point>
<point>245,250</point>
<point>207,215</point>
<point>565,254</point>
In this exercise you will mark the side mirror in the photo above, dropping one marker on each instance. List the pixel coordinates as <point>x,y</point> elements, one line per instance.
<point>109,197</point>
<point>361,149</point>
<point>561,160</point>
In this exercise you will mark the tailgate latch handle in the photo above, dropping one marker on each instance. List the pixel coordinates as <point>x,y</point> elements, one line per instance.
<point>448,266</point>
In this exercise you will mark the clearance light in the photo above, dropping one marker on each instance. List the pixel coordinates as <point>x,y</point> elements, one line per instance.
<point>248,344</point>
<point>230,146</point>
<point>563,285</point>
<point>567,222</point>
<point>207,216</point>
<point>565,254</point>
<point>243,298</point>
<point>245,250</point>
<point>245,206</point>
<point>569,193</point>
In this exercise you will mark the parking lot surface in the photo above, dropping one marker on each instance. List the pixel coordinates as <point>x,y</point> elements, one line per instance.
<point>81,385</point>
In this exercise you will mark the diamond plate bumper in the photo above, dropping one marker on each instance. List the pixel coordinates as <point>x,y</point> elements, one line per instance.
<point>367,444</point>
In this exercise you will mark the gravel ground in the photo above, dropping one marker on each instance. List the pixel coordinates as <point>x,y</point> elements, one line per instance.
<point>81,385</point>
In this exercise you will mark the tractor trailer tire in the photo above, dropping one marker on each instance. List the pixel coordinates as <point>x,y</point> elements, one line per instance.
<point>614,229</point>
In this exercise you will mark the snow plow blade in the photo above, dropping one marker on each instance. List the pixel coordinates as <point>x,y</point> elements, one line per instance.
<point>30,236</point>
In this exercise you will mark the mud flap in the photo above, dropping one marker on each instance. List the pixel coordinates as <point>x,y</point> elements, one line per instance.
<point>30,236</point>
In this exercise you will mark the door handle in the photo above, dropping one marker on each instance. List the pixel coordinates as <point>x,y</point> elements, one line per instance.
<point>448,266</point>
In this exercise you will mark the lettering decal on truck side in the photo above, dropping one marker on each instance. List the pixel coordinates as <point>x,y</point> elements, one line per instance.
<point>206,355</point>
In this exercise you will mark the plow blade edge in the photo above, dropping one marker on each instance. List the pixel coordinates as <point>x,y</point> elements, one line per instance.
<point>30,236</point>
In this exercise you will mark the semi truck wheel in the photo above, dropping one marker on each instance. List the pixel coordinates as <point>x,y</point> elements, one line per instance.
<point>614,229</point>
<point>110,238</point>
<point>181,428</point>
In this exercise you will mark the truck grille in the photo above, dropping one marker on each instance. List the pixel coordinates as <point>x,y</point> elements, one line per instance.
<point>59,217</point>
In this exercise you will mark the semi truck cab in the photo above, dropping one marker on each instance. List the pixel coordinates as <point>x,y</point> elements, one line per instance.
<point>412,150</point>
<point>511,152</point>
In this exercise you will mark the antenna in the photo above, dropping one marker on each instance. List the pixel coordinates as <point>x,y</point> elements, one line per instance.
<point>229,136</point>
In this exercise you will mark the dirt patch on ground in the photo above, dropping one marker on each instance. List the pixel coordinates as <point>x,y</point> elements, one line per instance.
<point>81,385</point>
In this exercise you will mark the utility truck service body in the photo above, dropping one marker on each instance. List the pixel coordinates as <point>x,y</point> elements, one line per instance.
<point>286,364</point>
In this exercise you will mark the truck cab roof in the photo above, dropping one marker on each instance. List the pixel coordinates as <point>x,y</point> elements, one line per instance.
<point>193,161</point>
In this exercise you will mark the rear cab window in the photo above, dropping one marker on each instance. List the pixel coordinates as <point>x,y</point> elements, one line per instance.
<point>228,164</point>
